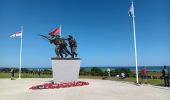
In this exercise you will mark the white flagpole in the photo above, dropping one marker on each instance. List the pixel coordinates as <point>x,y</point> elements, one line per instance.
<point>136,57</point>
<point>60,30</point>
<point>20,64</point>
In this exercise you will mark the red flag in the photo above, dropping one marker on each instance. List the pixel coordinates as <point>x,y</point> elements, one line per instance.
<point>56,31</point>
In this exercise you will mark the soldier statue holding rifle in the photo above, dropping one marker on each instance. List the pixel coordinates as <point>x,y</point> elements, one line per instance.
<point>61,45</point>
<point>72,45</point>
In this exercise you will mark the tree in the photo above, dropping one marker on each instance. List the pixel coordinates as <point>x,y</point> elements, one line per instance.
<point>95,71</point>
<point>84,71</point>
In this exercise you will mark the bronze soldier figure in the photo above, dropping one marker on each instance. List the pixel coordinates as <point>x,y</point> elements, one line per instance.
<point>72,45</point>
<point>61,45</point>
<point>56,41</point>
<point>63,48</point>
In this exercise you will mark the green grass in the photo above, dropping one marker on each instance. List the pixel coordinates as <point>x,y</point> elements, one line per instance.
<point>90,77</point>
<point>5,75</point>
<point>25,75</point>
<point>149,81</point>
<point>131,79</point>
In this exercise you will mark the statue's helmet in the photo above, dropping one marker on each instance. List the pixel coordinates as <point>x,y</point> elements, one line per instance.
<point>52,35</point>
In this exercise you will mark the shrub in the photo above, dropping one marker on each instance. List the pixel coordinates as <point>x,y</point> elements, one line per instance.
<point>84,71</point>
<point>118,71</point>
<point>95,71</point>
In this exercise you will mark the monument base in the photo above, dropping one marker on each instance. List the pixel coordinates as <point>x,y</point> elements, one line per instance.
<point>65,69</point>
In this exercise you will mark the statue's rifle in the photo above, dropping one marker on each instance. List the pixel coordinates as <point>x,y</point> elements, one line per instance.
<point>46,37</point>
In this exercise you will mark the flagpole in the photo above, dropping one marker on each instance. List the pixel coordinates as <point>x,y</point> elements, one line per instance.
<point>20,64</point>
<point>60,30</point>
<point>136,57</point>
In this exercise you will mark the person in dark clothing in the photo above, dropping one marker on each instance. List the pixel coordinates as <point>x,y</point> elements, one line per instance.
<point>39,72</point>
<point>12,73</point>
<point>165,75</point>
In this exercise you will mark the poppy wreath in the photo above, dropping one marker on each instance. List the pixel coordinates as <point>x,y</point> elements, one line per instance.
<point>59,85</point>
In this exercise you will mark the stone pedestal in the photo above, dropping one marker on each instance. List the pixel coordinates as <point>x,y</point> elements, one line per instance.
<point>65,69</point>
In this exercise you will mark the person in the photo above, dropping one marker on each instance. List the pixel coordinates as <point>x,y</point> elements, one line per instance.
<point>12,73</point>
<point>122,75</point>
<point>72,45</point>
<point>165,75</point>
<point>143,75</point>
<point>108,72</point>
<point>33,72</point>
<point>39,72</point>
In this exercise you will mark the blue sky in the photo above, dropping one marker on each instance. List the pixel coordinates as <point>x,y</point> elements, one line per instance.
<point>102,29</point>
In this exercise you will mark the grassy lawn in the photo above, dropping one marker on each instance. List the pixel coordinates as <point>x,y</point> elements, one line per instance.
<point>149,81</point>
<point>25,75</point>
<point>131,79</point>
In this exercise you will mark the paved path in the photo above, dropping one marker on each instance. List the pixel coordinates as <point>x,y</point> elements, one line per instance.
<point>97,90</point>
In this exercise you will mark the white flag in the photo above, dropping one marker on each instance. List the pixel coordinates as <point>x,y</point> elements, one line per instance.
<point>16,34</point>
<point>131,11</point>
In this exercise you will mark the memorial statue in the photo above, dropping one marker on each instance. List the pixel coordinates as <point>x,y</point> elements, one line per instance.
<point>63,48</point>
<point>61,45</point>
<point>72,45</point>
<point>53,39</point>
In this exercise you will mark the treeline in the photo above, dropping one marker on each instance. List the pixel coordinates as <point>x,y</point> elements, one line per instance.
<point>96,71</point>
<point>27,70</point>
<point>93,71</point>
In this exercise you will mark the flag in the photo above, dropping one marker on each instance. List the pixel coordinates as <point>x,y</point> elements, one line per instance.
<point>131,11</point>
<point>56,31</point>
<point>16,34</point>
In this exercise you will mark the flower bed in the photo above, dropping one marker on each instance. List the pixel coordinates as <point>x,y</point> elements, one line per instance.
<point>59,85</point>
